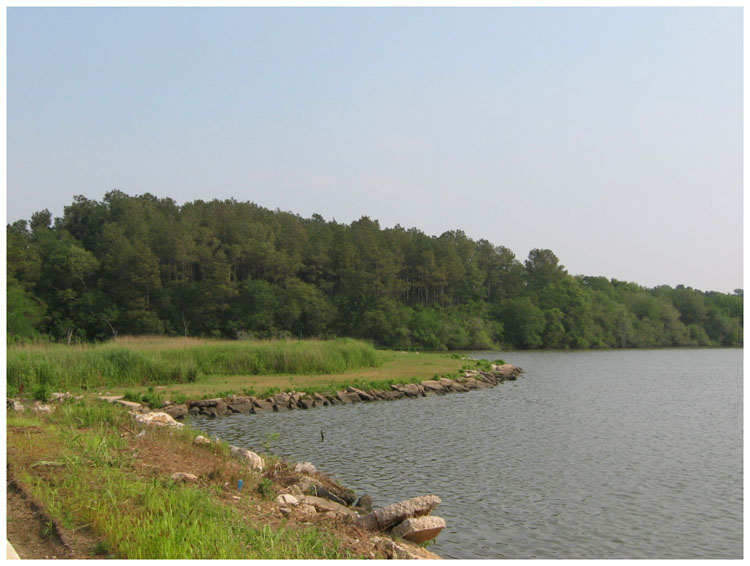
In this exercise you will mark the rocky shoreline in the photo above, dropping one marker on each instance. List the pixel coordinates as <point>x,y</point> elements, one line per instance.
<point>219,407</point>
<point>396,530</point>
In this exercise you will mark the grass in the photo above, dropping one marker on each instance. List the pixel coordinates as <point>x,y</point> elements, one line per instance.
<point>81,462</point>
<point>396,367</point>
<point>40,368</point>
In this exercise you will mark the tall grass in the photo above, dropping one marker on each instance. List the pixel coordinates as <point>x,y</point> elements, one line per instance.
<point>163,361</point>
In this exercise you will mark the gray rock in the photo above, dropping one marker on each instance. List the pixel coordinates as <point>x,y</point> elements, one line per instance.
<point>201,440</point>
<point>306,403</point>
<point>176,411</point>
<point>262,405</point>
<point>321,399</point>
<point>419,529</point>
<point>347,397</point>
<point>362,395</point>
<point>410,389</point>
<point>432,385</point>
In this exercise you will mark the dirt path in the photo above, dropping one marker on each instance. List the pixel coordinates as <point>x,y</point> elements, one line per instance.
<point>35,536</point>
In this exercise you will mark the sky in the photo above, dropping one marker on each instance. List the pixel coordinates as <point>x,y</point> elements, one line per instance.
<point>612,136</point>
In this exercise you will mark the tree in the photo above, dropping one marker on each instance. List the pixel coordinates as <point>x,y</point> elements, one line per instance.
<point>542,269</point>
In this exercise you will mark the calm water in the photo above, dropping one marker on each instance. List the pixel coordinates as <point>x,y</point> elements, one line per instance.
<point>609,454</point>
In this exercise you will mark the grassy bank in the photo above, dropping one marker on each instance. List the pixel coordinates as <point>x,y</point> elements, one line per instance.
<point>160,361</point>
<point>395,367</point>
<point>101,483</point>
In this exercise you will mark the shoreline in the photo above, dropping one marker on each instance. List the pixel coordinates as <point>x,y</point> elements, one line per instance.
<point>303,496</point>
<point>223,406</point>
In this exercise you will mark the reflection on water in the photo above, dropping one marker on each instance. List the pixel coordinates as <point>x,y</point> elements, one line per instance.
<point>609,454</point>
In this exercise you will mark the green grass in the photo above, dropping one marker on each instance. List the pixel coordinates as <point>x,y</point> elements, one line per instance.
<point>130,361</point>
<point>77,463</point>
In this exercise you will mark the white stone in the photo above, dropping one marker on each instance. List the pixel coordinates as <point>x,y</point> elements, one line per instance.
<point>157,418</point>
<point>184,477</point>
<point>304,468</point>
<point>287,499</point>
<point>251,458</point>
<point>200,439</point>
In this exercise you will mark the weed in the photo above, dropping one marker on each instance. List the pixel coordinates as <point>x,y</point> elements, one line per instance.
<point>265,488</point>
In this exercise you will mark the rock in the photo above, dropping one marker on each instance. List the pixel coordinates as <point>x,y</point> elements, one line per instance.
<point>402,549</point>
<point>323,492</point>
<point>364,502</point>
<point>16,406</point>
<point>459,387</point>
<point>471,383</point>
<point>251,458</point>
<point>287,499</point>
<point>184,477</point>
<point>333,400</point>
<point>446,383</point>
<point>158,418</point>
<point>432,385</point>
<point>141,434</point>
<point>419,529</point>
<point>203,403</point>
<point>262,405</point>
<point>201,440</point>
<point>304,468</point>
<point>285,511</point>
<point>110,398</point>
<point>410,389</point>
<point>176,411</point>
<point>240,406</point>
<point>391,395</point>
<point>130,405</point>
<point>323,505</point>
<point>281,399</point>
<point>308,510</point>
<point>60,397</point>
<point>386,517</point>
<point>321,399</point>
<point>306,403</point>
<point>362,395</point>
<point>294,490</point>
<point>43,409</point>
<point>347,397</point>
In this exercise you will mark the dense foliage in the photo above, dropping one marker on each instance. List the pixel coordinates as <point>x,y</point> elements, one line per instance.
<point>143,265</point>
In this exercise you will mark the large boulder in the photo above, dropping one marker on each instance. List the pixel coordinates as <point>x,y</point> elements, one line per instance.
<point>419,529</point>
<point>387,517</point>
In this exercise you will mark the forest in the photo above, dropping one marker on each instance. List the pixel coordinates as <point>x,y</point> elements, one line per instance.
<point>142,265</point>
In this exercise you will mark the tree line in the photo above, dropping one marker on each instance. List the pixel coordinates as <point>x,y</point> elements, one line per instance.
<point>132,265</point>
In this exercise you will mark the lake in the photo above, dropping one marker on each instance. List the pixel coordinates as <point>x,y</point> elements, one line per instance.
<point>593,454</point>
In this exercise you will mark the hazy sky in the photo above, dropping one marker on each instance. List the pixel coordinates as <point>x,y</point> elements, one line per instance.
<point>611,136</point>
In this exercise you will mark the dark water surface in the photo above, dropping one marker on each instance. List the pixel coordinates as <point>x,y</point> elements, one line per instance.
<point>604,454</point>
